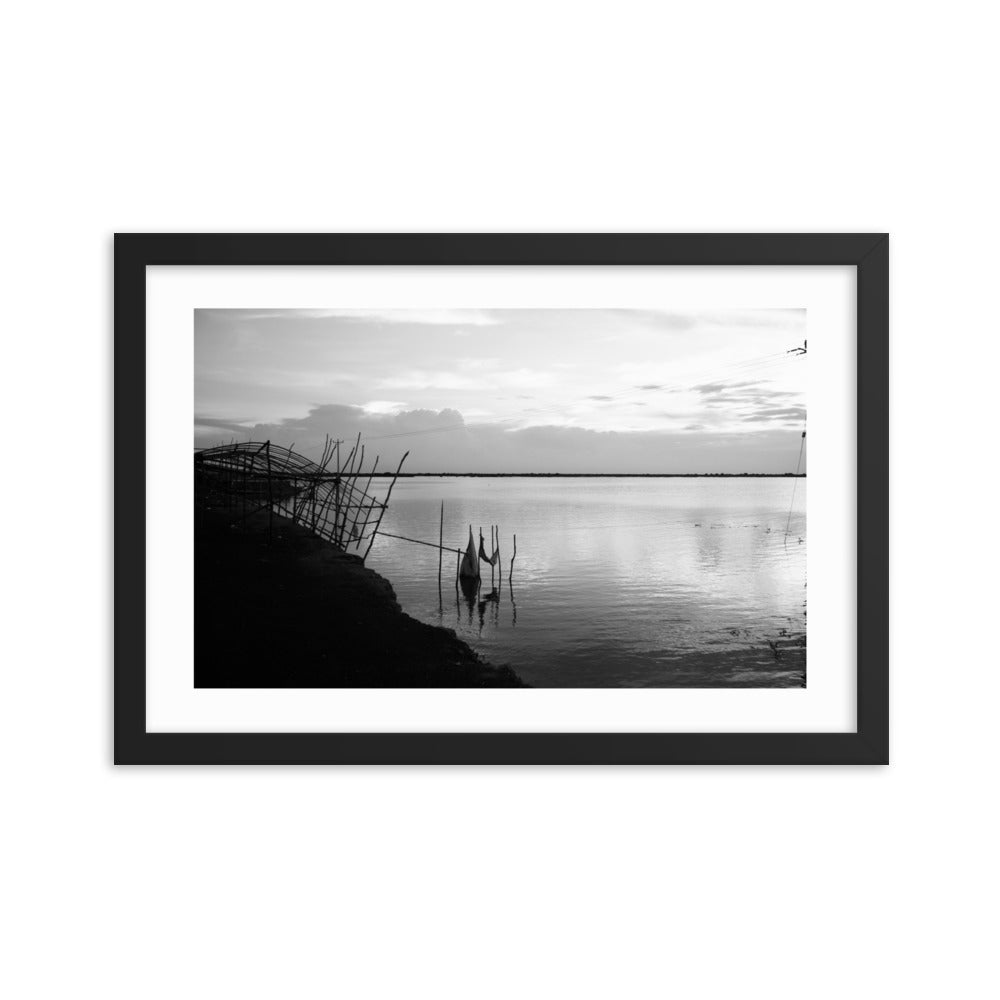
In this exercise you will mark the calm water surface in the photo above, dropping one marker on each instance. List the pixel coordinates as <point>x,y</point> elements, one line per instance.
<point>617,582</point>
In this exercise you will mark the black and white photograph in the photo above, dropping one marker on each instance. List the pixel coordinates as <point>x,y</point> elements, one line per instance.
<point>541,498</point>
<point>494,500</point>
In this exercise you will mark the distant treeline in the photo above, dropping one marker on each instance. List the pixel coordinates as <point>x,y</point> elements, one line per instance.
<point>597,475</point>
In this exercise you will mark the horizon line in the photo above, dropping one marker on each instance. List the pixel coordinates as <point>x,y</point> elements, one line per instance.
<point>598,475</point>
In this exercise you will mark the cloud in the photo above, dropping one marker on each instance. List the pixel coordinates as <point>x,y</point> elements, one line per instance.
<point>649,387</point>
<point>346,422</point>
<point>478,364</point>
<point>775,319</point>
<point>713,388</point>
<point>424,317</point>
<point>784,411</point>
<point>237,425</point>
<point>487,380</point>
<point>442,441</point>
<point>601,399</point>
<point>419,381</point>
<point>383,406</point>
<point>777,413</point>
<point>659,319</point>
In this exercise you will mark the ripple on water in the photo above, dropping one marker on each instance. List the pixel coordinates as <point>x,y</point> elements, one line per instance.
<point>617,582</point>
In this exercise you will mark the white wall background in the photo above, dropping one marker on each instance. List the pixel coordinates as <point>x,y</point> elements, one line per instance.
<point>264,882</point>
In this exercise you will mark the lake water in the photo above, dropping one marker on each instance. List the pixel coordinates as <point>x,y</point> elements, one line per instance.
<point>618,582</point>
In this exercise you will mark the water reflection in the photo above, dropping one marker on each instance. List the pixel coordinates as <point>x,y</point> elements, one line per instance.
<point>479,602</point>
<point>470,589</point>
<point>619,581</point>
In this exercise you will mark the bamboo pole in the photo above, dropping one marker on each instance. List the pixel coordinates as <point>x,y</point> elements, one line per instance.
<point>243,487</point>
<point>347,469</point>
<point>350,482</point>
<point>348,485</point>
<point>336,487</point>
<point>368,517</point>
<point>440,549</point>
<point>270,497</point>
<point>419,541</point>
<point>364,496</point>
<point>385,504</point>
<point>350,494</point>
<point>325,506</point>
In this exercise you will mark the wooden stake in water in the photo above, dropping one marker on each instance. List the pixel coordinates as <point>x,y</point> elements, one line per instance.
<point>440,548</point>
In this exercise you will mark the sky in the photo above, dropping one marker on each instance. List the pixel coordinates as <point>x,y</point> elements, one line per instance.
<point>510,390</point>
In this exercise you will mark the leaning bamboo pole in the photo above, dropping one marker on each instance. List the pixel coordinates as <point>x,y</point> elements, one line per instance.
<point>385,504</point>
<point>340,473</point>
<point>368,517</point>
<point>338,528</point>
<point>364,496</point>
<point>352,489</point>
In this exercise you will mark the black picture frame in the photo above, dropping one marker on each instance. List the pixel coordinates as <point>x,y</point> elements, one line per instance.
<point>869,253</point>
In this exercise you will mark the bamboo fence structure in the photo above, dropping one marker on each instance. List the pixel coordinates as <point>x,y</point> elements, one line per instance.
<point>336,504</point>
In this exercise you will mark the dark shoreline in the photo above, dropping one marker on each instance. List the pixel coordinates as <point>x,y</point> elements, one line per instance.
<point>298,613</point>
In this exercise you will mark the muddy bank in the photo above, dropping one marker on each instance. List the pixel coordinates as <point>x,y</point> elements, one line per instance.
<point>299,613</point>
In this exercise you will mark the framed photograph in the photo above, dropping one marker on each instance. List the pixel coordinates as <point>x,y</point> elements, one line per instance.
<point>501,498</point>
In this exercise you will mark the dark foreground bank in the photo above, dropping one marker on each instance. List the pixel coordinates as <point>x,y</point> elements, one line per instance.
<point>299,613</point>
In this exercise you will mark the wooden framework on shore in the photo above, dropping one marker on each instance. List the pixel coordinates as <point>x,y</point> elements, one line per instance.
<point>337,504</point>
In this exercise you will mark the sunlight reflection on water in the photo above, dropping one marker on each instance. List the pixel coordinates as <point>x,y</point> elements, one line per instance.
<point>617,582</point>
